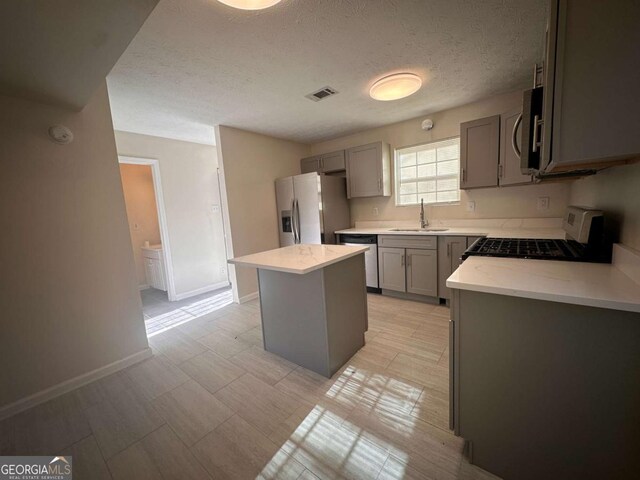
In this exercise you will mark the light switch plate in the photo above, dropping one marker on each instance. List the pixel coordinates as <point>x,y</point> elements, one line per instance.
<point>471,206</point>
<point>375,211</point>
<point>543,203</point>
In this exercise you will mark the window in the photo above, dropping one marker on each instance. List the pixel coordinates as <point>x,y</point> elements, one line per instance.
<point>430,172</point>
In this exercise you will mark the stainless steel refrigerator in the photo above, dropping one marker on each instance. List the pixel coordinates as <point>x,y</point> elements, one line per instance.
<point>311,207</point>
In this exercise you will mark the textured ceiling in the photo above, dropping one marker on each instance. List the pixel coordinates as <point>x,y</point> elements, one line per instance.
<point>198,63</point>
<point>59,51</point>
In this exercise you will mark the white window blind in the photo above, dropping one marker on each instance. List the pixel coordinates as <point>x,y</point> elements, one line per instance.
<point>430,172</point>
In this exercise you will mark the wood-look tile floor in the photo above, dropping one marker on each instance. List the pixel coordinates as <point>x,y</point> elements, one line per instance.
<point>212,404</point>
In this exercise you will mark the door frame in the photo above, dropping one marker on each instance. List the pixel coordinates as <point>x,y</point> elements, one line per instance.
<point>162,216</point>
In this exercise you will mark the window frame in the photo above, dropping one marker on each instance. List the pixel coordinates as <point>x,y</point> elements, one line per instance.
<point>396,174</point>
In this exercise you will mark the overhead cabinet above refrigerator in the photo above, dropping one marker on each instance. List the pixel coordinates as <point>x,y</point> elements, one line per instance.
<point>311,207</point>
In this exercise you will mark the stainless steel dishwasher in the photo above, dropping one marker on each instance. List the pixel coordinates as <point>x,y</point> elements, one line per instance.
<point>370,257</point>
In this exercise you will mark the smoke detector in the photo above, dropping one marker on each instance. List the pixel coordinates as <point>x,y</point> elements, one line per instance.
<point>321,94</point>
<point>60,134</point>
<point>427,124</point>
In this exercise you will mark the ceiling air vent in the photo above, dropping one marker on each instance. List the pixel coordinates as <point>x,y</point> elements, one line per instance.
<point>322,93</point>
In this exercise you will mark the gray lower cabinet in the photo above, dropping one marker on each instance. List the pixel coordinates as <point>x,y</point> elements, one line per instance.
<point>391,265</point>
<point>422,272</point>
<point>545,389</point>
<point>479,152</point>
<point>408,264</point>
<point>450,250</point>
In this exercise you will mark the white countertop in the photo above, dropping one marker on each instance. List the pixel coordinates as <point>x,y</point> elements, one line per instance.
<point>590,284</point>
<point>299,259</point>
<point>493,232</point>
<point>481,227</point>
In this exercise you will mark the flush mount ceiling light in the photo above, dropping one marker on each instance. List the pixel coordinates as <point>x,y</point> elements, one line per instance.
<point>250,4</point>
<point>395,86</point>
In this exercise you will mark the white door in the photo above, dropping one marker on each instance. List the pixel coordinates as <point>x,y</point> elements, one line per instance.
<point>306,189</point>
<point>284,202</point>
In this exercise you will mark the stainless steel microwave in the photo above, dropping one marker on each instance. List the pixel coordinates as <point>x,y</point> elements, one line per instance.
<point>532,131</point>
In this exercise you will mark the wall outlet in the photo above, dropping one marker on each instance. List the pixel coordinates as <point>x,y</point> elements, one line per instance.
<point>136,226</point>
<point>223,270</point>
<point>215,208</point>
<point>375,211</point>
<point>471,206</point>
<point>543,203</point>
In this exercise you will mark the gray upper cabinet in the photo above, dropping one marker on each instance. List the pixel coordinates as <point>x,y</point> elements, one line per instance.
<point>479,152</point>
<point>392,268</point>
<point>509,172</point>
<point>332,162</point>
<point>325,163</point>
<point>368,171</point>
<point>592,85</point>
<point>310,164</point>
<point>450,250</point>
<point>422,272</point>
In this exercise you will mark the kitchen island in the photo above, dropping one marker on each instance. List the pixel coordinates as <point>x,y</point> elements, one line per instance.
<point>313,303</point>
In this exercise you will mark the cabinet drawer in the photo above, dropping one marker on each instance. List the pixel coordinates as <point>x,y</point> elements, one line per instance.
<point>409,241</point>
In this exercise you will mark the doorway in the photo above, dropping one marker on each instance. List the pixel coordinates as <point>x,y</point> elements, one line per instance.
<point>144,201</point>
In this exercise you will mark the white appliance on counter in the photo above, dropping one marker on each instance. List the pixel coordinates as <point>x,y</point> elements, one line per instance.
<point>153,259</point>
<point>311,207</point>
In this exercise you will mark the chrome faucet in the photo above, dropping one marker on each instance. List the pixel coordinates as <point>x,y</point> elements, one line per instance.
<point>424,223</point>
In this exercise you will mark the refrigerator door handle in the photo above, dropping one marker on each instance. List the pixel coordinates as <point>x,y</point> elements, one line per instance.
<point>293,221</point>
<point>297,215</point>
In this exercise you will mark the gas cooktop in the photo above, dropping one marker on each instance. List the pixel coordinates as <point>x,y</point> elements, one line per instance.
<point>541,249</point>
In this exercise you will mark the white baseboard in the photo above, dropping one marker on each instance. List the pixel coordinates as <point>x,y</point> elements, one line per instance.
<point>71,384</point>
<point>144,287</point>
<point>198,291</point>
<point>248,298</point>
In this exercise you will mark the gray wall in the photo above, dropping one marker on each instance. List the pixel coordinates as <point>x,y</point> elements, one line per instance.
<point>190,190</point>
<point>617,192</point>
<point>69,300</point>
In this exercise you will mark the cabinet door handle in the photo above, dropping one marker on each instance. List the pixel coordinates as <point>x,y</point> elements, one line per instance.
<point>537,123</point>
<point>402,260</point>
<point>514,135</point>
<point>448,249</point>
<point>463,175</point>
<point>500,171</point>
<point>408,260</point>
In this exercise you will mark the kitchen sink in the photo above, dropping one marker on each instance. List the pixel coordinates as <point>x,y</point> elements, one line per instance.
<point>418,229</point>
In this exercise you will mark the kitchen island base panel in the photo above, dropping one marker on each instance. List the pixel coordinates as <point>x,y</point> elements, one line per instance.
<point>316,320</point>
<point>546,389</point>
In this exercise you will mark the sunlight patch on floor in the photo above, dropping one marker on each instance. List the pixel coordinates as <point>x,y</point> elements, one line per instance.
<point>186,313</point>
<point>327,443</point>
